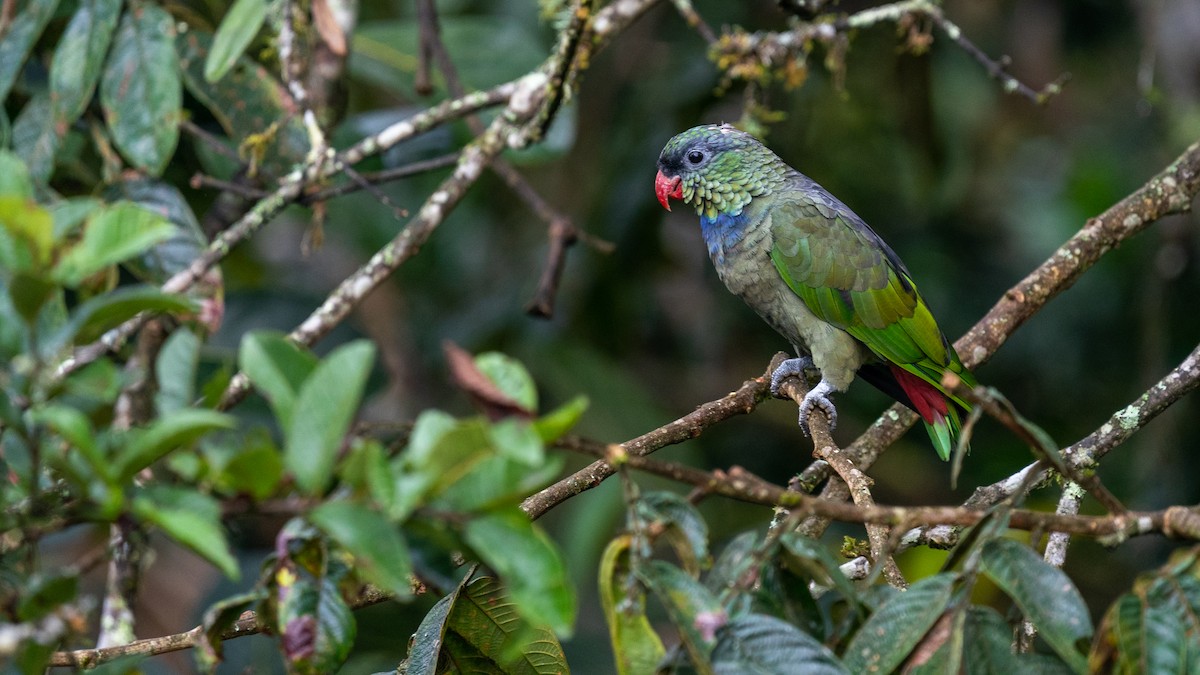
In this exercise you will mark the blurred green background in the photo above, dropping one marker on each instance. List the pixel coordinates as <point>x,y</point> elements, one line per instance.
<point>972,187</point>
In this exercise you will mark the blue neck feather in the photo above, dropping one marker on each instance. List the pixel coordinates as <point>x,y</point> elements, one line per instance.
<point>722,232</point>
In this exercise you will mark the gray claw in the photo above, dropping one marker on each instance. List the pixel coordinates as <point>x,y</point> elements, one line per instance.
<point>787,369</point>
<point>818,398</point>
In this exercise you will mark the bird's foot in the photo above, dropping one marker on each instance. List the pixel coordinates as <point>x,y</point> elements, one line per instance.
<point>818,399</point>
<point>787,369</point>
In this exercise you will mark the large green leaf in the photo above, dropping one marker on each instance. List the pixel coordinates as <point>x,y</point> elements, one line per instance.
<point>987,648</point>
<point>1045,595</point>
<point>26,235</point>
<point>430,636</point>
<point>315,626</point>
<point>694,611</point>
<point>760,644</point>
<point>886,638</point>
<point>145,446</point>
<point>237,29</point>
<point>277,367</point>
<point>73,426</point>
<point>1155,628</point>
<point>79,57</point>
<point>636,647</point>
<point>254,467</point>
<point>440,452</point>
<point>24,30</point>
<point>684,527</point>
<point>218,617</point>
<point>529,563</point>
<point>559,421</point>
<point>141,91</point>
<point>496,481</point>
<point>103,312</point>
<point>175,371</point>
<point>249,103</point>
<point>192,519</point>
<point>811,559</point>
<point>14,176</point>
<point>486,632</point>
<point>510,376</point>
<point>113,233</point>
<point>325,406</point>
<point>35,136</point>
<point>374,542</point>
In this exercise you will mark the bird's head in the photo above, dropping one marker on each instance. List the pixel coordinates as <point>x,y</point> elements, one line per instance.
<point>716,168</point>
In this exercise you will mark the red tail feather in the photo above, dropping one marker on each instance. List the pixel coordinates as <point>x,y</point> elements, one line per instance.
<point>929,403</point>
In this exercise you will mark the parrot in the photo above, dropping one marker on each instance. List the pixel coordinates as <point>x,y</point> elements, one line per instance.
<point>817,274</point>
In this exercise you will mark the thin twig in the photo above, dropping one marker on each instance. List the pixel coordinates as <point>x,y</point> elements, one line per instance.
<point>740,402</point>
<point>247,624</point>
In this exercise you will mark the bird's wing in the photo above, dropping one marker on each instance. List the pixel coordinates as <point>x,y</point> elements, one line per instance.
<point>850,278</point>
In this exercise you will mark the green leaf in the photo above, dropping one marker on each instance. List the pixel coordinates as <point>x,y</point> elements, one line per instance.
<point>237,29</point>
<point>175,370</point>
<point>427,641</point>
<point>813,560</point>
<point>145,446</point>
<point>315,625</point>
<point>28,235</point>
<point>192,519</point>
<point>562,419</point>
<point>374,542</point>
<point>510,377</point>
<point>498,481</point>
<point>440,452</point>
<point>79,56</point>
<point>325,406</point>
<point>43,594</point>
<point>763,644</point>
<point>249,103</point>
<point>690,607</point>
<point>14,176</point>
<point>529,564</point>
<point>29,294</point>
<point>987,649</point>
<point>103,312</point>
<point>26,26</point>
<point>220,616</point>
<point>887,637</point>
<point>1045,595</point>
<point>70,214</point>
<point>113,234</point>
<point>141,91</point>
<point>636,647</point>
<point>74,427</point>
<point>484,634</point>
<point>255,468</point>
<point>685,528</point>
<point>1155,628</point>
<point>35,136</point>
<point>516,439</point>
<point>277,367</point>
<point>365,470</point>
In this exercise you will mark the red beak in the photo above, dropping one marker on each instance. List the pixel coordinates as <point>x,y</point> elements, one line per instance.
<point>667,188</point>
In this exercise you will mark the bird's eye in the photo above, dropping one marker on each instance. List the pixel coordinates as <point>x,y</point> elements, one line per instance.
<point>695,157</point>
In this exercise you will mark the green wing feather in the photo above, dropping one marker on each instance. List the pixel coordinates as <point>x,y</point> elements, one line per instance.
<point>849,277</point>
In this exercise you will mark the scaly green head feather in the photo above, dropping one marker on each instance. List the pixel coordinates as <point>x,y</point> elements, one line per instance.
<point>717,169</point>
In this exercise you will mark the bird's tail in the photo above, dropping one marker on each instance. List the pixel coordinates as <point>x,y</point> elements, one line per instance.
<point>940,414</point>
